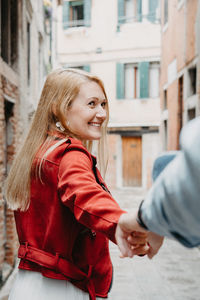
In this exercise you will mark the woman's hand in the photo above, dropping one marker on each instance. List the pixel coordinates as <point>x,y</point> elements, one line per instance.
<point>131,242</point>
<point>135,240</point>
<point>138,243</point>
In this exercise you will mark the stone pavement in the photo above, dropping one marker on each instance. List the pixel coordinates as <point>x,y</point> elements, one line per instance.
<point>174,274</point>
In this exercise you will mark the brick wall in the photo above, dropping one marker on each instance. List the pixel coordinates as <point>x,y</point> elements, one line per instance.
<point>8,144</point>
<point>2,219</point>
<point>179,43</point>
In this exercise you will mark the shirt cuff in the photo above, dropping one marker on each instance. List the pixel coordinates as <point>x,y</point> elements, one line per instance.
<point>139,217</point>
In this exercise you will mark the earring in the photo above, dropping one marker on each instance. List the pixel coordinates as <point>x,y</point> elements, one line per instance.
<point>67,123</point>
<point>59,126</point>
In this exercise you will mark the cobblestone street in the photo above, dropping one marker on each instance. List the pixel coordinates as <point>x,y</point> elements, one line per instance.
<point>174,274</point>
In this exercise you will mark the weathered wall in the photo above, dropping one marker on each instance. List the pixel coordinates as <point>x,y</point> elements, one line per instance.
<point>180,52</point>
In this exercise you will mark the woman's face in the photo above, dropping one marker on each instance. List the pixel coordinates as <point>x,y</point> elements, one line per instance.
<point>87,112</point>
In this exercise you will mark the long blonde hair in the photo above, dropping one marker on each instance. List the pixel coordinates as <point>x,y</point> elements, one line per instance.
<point>60,89</point>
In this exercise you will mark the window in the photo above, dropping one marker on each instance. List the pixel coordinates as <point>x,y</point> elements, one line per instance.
<point>9,32</point>
<point>165,100</point>
<point>165,135</point>
<point>180,103</point>
<point>76,13</point>
<point>135,11</point>
<point>28,51</point>
<point>132,10</point>
<point>192,74</point>
<point>81,67</point>
<point>165,12</point>
<point>131,81</point>
<point>154,80</point>
<point>153,11</point>
<point>191,114</point>
<point>8,114</point>
<point>129,11</point>
<point>137,80</point>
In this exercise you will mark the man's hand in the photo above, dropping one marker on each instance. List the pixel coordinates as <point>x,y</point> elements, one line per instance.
<point>132,239</point>
<point>155,242</point>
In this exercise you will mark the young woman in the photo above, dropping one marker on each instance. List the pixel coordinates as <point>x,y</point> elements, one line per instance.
<point>63,210</point>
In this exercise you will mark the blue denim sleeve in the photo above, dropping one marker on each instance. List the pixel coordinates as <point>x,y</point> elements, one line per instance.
<point>172,206</point>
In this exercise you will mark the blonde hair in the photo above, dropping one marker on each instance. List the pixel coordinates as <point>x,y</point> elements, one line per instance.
<point>60,89</point>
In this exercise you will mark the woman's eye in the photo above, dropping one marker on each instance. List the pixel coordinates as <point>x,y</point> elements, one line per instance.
<point>103,104</point>
<point>91,103</point>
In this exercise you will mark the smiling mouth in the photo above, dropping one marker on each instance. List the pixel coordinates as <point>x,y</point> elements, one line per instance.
<point>95,124</point>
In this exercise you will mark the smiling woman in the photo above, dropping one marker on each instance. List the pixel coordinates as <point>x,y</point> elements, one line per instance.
<point>63,210</point>
<point>87,112</point>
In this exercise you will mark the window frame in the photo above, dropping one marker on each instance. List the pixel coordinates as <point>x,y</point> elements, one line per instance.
<point>192,80</point>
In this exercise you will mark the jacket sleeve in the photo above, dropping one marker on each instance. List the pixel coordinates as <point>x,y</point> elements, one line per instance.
<point>78,190</point>
<point>172,206</point>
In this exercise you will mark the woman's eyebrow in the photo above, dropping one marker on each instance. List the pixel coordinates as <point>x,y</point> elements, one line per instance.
<point>95,98</point>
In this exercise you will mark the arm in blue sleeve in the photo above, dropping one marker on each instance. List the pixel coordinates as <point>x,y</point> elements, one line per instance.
<point>172,206</point>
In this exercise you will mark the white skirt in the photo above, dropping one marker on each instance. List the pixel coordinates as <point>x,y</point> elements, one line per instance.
<point>33,286</point>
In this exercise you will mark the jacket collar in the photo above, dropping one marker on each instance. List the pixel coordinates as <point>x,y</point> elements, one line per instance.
<point>59,136</point>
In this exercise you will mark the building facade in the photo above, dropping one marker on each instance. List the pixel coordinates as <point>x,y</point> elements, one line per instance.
<point>24,60</point>
<point>120,42</point>
<point>180,68</point>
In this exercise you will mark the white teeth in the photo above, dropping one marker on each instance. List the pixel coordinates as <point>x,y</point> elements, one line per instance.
<point>95,124</point>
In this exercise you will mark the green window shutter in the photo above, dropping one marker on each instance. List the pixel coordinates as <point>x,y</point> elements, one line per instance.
<point>65,14</point>
<point>144,79</point>
<point>153,4</point>
<point>120,80</point>
<point>87,12</point>
<point>121,12</point>
<point>139,10</point>
<point>86,68</point>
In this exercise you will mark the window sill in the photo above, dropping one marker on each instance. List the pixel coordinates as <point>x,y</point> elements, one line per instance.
<point>80,29</point>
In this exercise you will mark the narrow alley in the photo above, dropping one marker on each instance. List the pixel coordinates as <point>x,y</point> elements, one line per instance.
<point>147,53</point>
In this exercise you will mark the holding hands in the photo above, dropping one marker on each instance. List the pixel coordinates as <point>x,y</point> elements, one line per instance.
<point>132,239</point>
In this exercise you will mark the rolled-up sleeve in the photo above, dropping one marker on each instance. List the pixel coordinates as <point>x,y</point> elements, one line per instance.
<point>78,190</point>
<point>172,206</point>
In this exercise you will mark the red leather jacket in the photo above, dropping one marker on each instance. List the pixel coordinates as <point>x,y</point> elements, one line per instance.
<point>64,233</point>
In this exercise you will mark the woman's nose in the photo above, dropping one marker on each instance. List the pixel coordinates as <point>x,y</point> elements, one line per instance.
<point>101,113</point>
